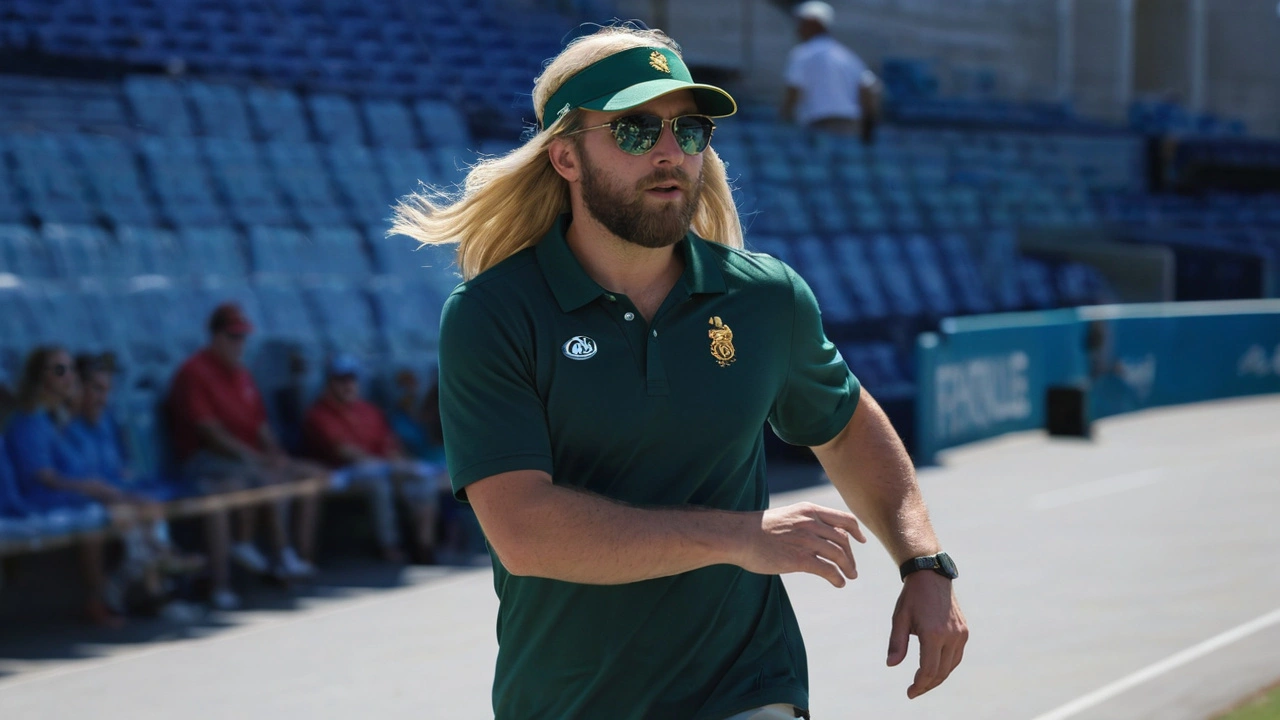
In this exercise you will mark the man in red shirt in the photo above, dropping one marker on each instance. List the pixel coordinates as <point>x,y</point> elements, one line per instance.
<point>352,435</point>
<point>222,441</point>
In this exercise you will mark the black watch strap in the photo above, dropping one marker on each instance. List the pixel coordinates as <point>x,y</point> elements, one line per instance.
<point>940,563</point>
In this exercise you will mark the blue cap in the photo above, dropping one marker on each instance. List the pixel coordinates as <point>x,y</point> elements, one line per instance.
<point>344,364</point>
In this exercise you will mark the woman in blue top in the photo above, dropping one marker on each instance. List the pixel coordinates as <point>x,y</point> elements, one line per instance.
<point>52,474</point>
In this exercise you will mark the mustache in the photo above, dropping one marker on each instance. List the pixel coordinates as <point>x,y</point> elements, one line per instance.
<point>670,176</point>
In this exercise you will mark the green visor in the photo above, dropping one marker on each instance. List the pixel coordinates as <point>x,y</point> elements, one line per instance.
<point>630,78</point>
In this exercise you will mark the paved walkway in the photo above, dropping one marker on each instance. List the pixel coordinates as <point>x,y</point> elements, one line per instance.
<point>1129,577</point>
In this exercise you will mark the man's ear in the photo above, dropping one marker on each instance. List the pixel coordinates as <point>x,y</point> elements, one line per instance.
<point>564,158</point>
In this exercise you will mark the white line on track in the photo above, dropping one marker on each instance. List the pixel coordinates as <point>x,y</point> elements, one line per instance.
<point>1094,489</point>
<point>1195,652</point>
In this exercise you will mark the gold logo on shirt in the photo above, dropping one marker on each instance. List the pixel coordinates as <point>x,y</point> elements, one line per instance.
<point>721,342</point>
<point>658,62</point>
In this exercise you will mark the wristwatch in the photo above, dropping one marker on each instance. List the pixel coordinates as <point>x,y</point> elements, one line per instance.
<point>940,563</point>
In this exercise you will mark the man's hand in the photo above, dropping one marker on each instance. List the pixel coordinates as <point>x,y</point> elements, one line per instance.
<point>803,538</point>
<point>927,608</point>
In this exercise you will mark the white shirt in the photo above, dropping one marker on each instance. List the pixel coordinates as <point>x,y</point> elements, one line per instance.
<point>828,75</point>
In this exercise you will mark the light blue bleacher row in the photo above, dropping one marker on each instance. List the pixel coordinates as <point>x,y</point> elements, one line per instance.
<point>437,49</point>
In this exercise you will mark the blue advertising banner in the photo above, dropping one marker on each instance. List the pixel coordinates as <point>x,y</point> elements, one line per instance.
<point>984,376</point>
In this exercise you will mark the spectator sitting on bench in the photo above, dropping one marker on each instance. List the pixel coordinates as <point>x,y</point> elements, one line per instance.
<point>52,476</point>
<point>93,435</point>
<point>344,431</point>
<point>222,441</point>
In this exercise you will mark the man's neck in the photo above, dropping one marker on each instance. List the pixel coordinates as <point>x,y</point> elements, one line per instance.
<point>621,266</point>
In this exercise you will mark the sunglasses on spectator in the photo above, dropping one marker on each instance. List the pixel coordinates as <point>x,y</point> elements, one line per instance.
<point>235,336</point>
<point>637,134</point>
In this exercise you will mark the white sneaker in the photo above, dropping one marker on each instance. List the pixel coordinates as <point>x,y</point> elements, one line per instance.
<point>292,566</point>
<point>248,557</point>
<point>225,600</point>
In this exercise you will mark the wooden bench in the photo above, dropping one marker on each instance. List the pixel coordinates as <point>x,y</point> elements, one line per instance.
<point>173,509</point>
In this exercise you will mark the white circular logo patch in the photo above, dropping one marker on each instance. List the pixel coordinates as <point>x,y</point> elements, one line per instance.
<point>580,347</point>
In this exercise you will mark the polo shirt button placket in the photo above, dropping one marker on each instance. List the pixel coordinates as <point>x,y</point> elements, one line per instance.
<point>629,316</point>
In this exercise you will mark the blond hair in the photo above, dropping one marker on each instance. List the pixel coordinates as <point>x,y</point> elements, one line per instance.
<point>507,203</point>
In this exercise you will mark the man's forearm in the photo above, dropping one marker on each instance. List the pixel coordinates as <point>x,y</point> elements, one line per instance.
<point>574,536</point>
<point>869,466</point>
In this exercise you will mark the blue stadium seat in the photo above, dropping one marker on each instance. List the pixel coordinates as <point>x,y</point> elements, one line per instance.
<point>305,183</point>
<point>860,277</point>
<point>53,189</point>
<point>149,251</point>
<point>79,251</point>
<point>824,281</point>
<point>902,292</point>
<point>283,251</point>
<point>1037,283</point>
<point>284,313</point>
<point>158,105</point>
<point>345,319</point>
<point>408,314</point>
<point>239,171</point>
<point>221,110</point>
<point>361,182</point>
<point>12,207</point>
<point>179,178</point>
<point>442,125</point>
<point>341,252</point>
<point>23,255</point>
<point>278,115</point>
<point>336,119</point>
<point>775,246</point>
<point>215,251</point>
<point>390,124</point>
<point>963,269</point>
<point>111,169</point>
<point>928,271</point>
<point>404,169</point>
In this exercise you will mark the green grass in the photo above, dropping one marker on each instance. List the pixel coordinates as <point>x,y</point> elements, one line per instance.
<point>1263,706</point>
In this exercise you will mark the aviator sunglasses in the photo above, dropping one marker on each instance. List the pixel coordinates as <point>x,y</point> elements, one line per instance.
<point>637,134</point>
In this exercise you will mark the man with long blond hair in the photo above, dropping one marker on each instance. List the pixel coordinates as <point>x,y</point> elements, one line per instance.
<point>606,370</point>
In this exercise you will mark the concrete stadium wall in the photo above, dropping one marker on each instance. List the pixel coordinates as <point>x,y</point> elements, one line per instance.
<point>1099,53</point>
<point>983,376</point>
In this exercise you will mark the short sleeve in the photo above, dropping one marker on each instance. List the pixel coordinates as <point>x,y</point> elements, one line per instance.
<point>493,418</point>
<point>30,449</point>
<point>794,75</point>
<point>819,393</point>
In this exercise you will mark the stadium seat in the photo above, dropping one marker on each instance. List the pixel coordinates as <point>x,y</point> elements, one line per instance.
<point>336,119</point>
<point>80,251</point>
<point>345,319</point>
<point>340,251</point>
<point>361,182</point>
<point>928,272</point>
<point>54,191</point>
<point>23,255</point>
<point>442,125</point>
<point>221,110</point>
<point>240,173</point>
<point>278,115</point>
<point>111,169</point>
<point>158,105</point>
<point>408,314</point>
<point>305,182</point>
<point>214,251</point>
<point>179,178</point>
<point>898,284</point>
<point>150,251</point>
<point>859,277</point>
<point>824,281</point>
<point>390,124</point>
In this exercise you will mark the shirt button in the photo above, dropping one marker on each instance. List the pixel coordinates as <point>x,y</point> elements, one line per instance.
<point>612,298</point>
<point>629,316</point>
<point>655,333</point>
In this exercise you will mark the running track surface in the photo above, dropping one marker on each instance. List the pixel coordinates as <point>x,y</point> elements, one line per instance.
<point>1131,576</point>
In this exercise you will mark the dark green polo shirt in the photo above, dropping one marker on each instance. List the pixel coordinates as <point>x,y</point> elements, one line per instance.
<point>542,369</point>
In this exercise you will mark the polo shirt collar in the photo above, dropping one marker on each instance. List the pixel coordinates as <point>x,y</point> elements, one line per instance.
<point>573,287</point>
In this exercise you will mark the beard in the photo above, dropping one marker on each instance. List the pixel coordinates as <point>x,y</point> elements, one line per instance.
<point>623,212</point>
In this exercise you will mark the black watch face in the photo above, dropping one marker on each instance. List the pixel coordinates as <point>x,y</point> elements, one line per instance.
<point>947,567</point>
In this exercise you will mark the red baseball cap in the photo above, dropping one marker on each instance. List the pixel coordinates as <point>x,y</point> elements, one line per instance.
<point>228,317</point>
